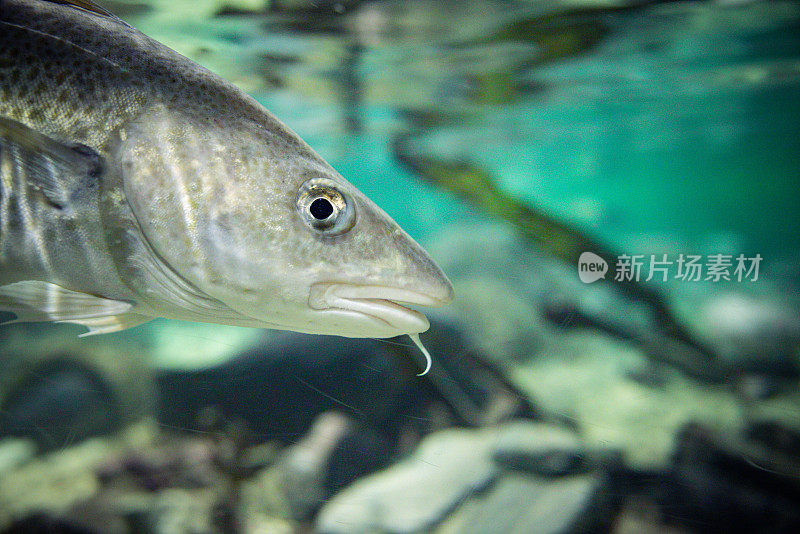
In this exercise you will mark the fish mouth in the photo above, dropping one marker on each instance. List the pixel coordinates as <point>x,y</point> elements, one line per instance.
<point>376,311</point>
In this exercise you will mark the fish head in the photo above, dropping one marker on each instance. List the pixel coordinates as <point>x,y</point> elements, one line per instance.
<point>254,218</point>
<point>345,267</point>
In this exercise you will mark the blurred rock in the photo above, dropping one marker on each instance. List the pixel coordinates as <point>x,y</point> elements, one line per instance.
<point>590,380</point>
<point>541,449</point>
<point>519,504</point>
<point>417,493</point>
<point>750,334</point>
<point>294,486</point>
<point>452,466</point>
<point>336,451</point>
<point>44,523</point>
<point>54,481</point>
<point>720,482</point>
<point>15,452</point>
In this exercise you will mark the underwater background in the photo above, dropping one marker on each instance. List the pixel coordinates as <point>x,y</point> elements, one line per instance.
<point>508,138</point>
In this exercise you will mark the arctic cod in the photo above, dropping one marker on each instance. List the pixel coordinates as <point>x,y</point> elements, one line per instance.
<point>136,184</point>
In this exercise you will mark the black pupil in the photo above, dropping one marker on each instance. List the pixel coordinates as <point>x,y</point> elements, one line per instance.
<point>321,208</point>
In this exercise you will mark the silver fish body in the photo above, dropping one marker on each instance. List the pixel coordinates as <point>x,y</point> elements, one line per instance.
<point>136,184</point>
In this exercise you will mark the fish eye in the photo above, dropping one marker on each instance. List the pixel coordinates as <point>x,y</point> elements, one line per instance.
<point>321,208</point>
<point>324,207</point>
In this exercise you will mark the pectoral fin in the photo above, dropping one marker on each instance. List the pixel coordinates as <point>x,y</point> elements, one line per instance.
<point>66,174</point>
<point>111,323</point>
<point>34,300</point>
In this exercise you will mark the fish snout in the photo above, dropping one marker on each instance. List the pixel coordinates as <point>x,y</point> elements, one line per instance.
<point>375,311</point>
<point>419,274</point>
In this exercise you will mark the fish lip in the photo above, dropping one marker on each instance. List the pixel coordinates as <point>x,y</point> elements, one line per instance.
<point>397,295</point>
<point>385,304</point>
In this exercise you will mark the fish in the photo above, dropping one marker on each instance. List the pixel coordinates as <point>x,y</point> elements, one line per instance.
<point>136,184</point>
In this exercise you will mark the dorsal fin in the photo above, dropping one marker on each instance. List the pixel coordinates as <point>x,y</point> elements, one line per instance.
<point>86,5</point>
